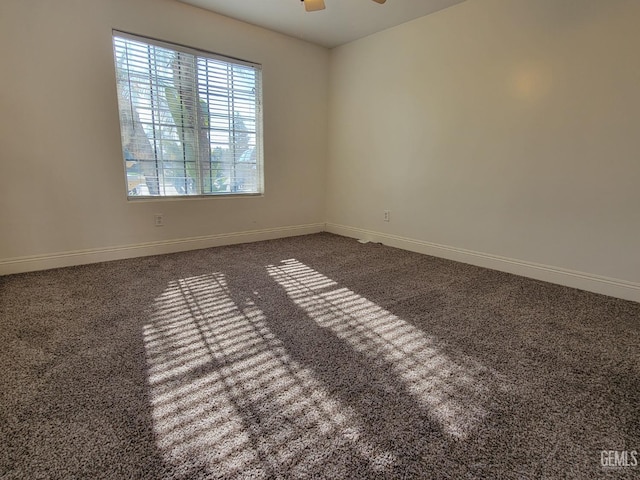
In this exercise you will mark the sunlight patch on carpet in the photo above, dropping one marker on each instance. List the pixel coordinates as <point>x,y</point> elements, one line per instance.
<point>452,391</point>
<point>228,399</point>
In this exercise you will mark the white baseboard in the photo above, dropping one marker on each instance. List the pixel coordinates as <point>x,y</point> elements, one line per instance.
<point>583,281</point>
<point>80,257</point>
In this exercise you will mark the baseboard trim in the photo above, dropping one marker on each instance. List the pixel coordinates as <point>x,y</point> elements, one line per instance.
<point>80,257</point>
<point>581,280</point>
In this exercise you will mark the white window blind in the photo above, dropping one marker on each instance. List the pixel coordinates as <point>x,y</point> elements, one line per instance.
<point>191,121</point>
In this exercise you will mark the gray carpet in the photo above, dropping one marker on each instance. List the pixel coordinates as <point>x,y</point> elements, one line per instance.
<point>312,357</point>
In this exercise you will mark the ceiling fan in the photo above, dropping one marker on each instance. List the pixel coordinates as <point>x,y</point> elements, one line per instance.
<point>314,5</point>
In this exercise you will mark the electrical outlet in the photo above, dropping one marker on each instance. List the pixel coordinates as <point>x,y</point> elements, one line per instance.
<point>387,215</point>
<point>159,220</point>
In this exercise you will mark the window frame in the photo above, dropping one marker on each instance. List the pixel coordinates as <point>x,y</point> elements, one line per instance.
<point>197,53</point>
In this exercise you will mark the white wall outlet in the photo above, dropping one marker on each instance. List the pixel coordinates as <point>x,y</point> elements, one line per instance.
<point>158,219</point>
<point>387,215</point>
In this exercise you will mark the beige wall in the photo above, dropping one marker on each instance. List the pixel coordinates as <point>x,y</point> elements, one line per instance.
<point>504,127</point>
<point>62,182</point>
<point>495,129</point>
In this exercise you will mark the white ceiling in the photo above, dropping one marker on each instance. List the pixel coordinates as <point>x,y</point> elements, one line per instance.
<point>341,22</point>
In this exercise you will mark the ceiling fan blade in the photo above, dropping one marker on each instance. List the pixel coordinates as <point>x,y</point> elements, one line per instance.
<point>380,1</point>
<point>314,5</point>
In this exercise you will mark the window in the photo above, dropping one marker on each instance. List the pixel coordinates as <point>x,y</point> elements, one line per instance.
<point>190,121</point>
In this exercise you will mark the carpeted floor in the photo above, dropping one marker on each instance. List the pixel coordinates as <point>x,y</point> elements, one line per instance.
<point>312,357</point>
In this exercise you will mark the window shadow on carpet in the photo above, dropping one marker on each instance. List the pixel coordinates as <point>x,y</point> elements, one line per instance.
<point>291,374</point>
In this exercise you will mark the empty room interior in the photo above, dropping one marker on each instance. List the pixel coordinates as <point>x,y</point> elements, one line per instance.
<point>320,239</point>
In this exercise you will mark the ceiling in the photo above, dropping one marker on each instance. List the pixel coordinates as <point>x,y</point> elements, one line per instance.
<point>341,22</point>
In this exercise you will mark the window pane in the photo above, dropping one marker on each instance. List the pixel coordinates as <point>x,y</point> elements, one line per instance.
<point>190,122</point>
